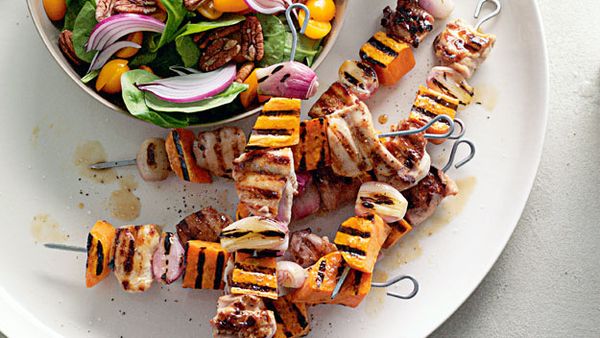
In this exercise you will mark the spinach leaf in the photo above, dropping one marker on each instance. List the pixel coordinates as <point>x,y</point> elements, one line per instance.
<point>144,55</point>
<point>85,22</point>
<point>275,39</point>
<point>188,50</point>
<point>73,9</point>
<point>199,27</point>
<point>218,100</point>
<point>306,51</point>
<point>176,13</point>
<point>135,102</point>
<point>165,58</point>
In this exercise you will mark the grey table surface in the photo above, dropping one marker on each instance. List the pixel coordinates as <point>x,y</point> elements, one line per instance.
<point>547,281</point>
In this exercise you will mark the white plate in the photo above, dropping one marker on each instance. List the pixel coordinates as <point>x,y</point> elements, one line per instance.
<point>45,118</point>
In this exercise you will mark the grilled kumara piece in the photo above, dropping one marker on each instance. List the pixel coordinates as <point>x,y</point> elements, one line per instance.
<point>215,150</point>
<point>179,146</point>
<point>399,229</point>
<point>390,59</point>
<point>424,198</point>
<point>254,276</point>
<point>205,265</point>
<point>292,318</point>
<point>359,239</point>
<point>243,316</point>
<point>266,182</point>
<point>100,252</point>
<point>278,125</point>
<point>321,280</point>
<point>428,105</point>
<point>312,151</point>
<point>461,47</point>
<point>204,225</point>
<point>338,96</point>
<point>409,22</point>
<point>134,247</point>
<point>307,248</point>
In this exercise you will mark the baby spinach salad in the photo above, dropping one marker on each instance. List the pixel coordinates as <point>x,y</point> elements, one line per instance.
<point>178,63</point>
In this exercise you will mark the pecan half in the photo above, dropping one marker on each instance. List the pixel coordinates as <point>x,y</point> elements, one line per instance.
<point>219,53</point>
<point>65,43</point>
<point>104,9</point>
<point>244,71</point>
<point>253,48</point>
<point>135,6</point>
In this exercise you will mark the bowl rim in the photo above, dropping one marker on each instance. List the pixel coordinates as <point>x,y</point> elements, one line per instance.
<point>66,66</point>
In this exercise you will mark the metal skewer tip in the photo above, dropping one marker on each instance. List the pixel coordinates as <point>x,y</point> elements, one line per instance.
<point>112,164</point>
<point>65,247</point>
<point>339,284</point>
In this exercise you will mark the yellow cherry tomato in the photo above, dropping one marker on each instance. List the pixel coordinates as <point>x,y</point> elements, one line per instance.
<point>128,52</point>
<point>316,29</point>
<point>109,79</point>
<point>146,68</point>
<point>321,10</point>
<point>55,9</point>
<point>230,6</point>
<point>207,9</point>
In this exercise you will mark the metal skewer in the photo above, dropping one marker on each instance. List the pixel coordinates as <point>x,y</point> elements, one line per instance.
<point>65,247</point>
<point>490,16</point>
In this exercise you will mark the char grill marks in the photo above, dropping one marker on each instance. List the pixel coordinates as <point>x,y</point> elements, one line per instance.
<point>243,316</point>
<point>307,248</point>
<point>409,22</point>
<point>424,198</point>
<point>215,150</point>
<point>337,97</point>
<point>266,182</point>
<point>134,247</point>
<point>254,275</point>
<point>205,265</point>
<point>205,225</point>
<point>461,47</point>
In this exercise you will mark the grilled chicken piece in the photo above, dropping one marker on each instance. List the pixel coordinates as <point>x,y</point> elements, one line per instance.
<point>266,182</point>
<point>204,225</point>
<point>215,150</point>
<point>356,148</point>
<point>243,316</point>
<point>336,191</point>
<point>410,151</point>
<point>307,248</point>
<point>461,47</point>
<point>134,247</point>
<point>409,22</point>
<point>336,97</point>
<point>424,198</point>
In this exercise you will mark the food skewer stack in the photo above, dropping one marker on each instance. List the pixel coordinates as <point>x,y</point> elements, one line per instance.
<point>286,171</point>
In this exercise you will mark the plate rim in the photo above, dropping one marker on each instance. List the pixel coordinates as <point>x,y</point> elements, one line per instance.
<point>16,321</point>
<point>538,149</point>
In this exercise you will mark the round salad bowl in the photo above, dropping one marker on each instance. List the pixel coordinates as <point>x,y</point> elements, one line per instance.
<point>49,34</point>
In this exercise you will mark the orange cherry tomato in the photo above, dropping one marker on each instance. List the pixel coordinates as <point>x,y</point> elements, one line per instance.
<point>128,52</point>
<point>55,9</point>
<point>109,79</point>
<point>208,10</point>
<point>316,29</point>
<point>321,10</point>
<point>230,6</point>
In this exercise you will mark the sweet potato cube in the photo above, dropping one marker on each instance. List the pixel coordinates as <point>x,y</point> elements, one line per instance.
<point>391,59</point>
<point>359,239</point>
<point>205,265</point>
<point>322,278</point>
<point>100,252</point>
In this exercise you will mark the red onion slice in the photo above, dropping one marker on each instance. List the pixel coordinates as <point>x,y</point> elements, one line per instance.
<point>102,57</point>
<point>192,87</point>
<point>268,6</point>
<point>293,80</point>
<point>111,29</point>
